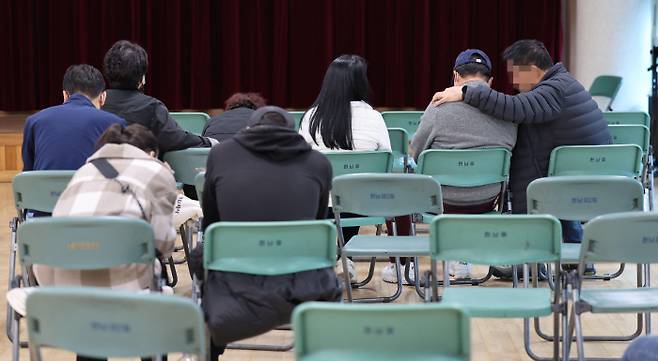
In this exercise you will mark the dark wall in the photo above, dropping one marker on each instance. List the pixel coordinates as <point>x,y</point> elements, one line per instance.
<point>201,51</point>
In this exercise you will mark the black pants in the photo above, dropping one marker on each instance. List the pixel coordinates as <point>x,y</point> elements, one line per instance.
<point>348,232</point>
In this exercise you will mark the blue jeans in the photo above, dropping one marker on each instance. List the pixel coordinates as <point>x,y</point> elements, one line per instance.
<point>572,231</point>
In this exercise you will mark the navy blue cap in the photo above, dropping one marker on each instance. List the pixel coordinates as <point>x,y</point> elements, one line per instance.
<point>467,57</point>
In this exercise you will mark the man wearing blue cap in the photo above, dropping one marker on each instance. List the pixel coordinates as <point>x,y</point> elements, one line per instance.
<point>460,126</point>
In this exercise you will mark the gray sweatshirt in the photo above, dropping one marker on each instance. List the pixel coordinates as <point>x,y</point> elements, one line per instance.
<point>458,125</point>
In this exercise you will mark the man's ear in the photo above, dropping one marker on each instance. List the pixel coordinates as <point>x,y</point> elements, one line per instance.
<point>490,81</point>
<point>65,95</point>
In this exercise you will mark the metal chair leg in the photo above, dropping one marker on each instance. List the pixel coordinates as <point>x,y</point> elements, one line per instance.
<point>384,299</point>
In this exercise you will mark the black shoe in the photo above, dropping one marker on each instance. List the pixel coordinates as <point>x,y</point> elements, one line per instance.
<point>506,273</point>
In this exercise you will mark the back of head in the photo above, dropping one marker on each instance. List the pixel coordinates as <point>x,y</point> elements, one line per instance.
<point>529,52</point>
<point>472,63</point>
<point>83,79</point>
<point>135,134</point>
<point>271,115</point>
<point>125,65</point>
<point>346,80</point>
<point>244,100</point>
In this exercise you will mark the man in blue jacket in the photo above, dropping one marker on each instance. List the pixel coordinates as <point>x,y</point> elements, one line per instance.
<point>552,109</point>
<point>62,137</point>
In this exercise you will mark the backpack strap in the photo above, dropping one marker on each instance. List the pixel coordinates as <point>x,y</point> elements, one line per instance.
<point>106,169</point>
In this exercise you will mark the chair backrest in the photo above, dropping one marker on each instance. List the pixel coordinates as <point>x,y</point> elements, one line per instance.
<point>407,120</point>
<point>621,237</point>
<point>399,141</point>
<point>495,239</point>
<point>606,85</point>
<point>39,190</point>
<point>85,243</point>
<point>269,248</point>
<point>297,115</point>
<point>627,118</point>
<point>386,195</point>
<point>465,167</point>
<point>630,134</point>
<point>199,182</point>
<point>375,332</point>
<point>354,162</point>
<point>581,198</point>
<point>193,122</point>
<point>103,323</point>
<point>187,163</point>
<point>612,159</point>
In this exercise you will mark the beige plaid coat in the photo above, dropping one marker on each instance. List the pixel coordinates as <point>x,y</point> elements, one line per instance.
<point>90,194</point>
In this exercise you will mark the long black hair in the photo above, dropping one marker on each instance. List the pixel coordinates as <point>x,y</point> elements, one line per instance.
<point>345,80</point>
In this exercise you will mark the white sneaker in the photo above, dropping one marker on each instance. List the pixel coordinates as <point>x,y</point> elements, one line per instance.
<point>460,270</point>
<point>389,274</point>
<point>351,270</point>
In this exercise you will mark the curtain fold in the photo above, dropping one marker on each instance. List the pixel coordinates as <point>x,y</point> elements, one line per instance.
<point>202,51</point>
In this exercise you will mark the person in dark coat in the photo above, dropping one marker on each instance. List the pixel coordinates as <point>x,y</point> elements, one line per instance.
<point>552,109</point>
<point>266,172</point>
<point>125,65</point>
<point>62,137</point>
<point>237,110</point>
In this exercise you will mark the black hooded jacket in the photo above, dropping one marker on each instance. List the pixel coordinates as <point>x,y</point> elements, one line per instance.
<point>263,173</point>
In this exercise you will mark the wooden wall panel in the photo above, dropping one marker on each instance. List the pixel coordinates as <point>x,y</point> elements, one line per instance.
<point>10,155</point>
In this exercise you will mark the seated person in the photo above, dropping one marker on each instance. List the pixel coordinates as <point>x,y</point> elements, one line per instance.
<point>461,126</point>
<point>237,110</point>
<point>62,137</point>
<point>266,172</point>
<point>125,67</point>
<point>133,153</point>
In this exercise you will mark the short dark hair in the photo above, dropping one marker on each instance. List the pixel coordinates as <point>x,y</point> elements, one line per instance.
<point>125,64</point>
<point>244,100</point>
<point>529,52</point>
<point>134,134</point>
<point>85,79</point>
<point>474,68</point>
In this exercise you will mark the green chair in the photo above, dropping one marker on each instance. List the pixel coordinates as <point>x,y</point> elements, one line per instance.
<point>325,332</point>
<point>33,190</point>
<point>187,164</point>
<point>582,198</point>
<point>627,118</point>
<point>193,122</point>
<point>358,162</point>
<point>199,182</point>
<point>98,322</point>
<point>407,120</point>
<point>621,237</point>
<point>297,115</point>
<point>385,195</point>
<point>606,86</point>
<point>639,135</point>
<point>269,249</point>
<point>82,243</point>
<point>467,168</point>
<point>399,139</point>
<point>498,240</point>
<point>615,159</point>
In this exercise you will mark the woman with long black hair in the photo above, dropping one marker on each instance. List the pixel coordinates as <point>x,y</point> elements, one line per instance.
<point>342,119</point>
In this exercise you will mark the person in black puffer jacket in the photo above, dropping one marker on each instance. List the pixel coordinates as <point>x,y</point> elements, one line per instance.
<point>125,65</point>
<point>552,109</point>
<point>266,172</point>
<point>237,110</point>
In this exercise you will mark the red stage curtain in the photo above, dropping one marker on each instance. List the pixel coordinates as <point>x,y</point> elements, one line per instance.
<point>202,51</point>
